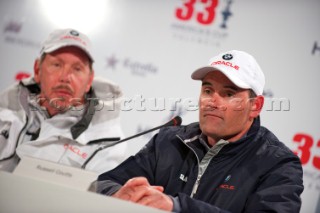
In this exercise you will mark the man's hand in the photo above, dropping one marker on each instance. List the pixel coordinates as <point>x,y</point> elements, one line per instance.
<point>139,190</point>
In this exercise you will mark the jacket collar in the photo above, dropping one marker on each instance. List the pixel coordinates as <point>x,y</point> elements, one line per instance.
<point>84,122</point>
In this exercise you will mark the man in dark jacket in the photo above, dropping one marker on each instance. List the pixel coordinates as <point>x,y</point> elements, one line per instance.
<point>225,163</point>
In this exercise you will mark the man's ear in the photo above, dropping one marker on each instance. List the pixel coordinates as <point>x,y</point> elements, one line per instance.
<point>36,70</point>
<point>256,106</point>
<point>90,81</point>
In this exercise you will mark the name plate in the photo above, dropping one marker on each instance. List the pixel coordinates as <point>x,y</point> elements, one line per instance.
<point>56,173</point>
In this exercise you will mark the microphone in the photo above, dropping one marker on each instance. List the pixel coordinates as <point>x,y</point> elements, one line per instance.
<point>176,121</point>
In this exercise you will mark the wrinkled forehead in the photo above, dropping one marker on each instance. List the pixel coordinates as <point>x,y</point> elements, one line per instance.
<point>75,51</point>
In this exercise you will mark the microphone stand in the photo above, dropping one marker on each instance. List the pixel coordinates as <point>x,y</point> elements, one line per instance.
<point>176,121</point>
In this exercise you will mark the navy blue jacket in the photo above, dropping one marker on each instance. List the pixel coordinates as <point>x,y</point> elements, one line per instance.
<point>257,173</point>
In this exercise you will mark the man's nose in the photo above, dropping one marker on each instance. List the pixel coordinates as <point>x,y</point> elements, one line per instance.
<point>215,102</point>
<point>65,75</point>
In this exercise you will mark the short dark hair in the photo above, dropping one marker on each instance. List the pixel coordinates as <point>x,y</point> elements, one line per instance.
<point>252,94</point>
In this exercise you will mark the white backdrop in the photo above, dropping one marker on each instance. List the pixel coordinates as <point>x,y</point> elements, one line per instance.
<point>150,48</point>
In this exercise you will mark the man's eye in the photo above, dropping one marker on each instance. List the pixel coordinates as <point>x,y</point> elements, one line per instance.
<point>207,91</point>
<point>230,94</point>
<point>56,64</point>
<point>77,68</point>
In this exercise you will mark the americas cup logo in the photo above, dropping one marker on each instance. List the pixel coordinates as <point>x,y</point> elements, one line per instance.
<point>202,21</point>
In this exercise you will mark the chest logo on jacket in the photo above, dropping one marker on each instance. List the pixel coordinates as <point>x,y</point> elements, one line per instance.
<point>225,185</point>
<point>76,151</point>
<point>183,178</point>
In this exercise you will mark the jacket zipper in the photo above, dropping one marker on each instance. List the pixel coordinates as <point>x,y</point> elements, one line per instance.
<point>22,130</point>
<point>196,184</point>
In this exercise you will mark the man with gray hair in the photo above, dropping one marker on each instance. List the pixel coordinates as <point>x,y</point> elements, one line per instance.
<point>63,113</point>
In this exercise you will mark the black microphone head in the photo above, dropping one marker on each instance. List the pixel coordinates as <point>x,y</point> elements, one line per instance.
<point>176,121</point>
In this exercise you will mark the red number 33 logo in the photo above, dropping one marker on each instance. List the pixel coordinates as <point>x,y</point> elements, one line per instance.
<point>305,143</point>
<point>203,17</point>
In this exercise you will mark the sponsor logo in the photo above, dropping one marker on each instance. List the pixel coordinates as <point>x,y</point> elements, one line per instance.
<point>226,13</point>
<point>203,22</point>
<point>74,33</point>
<point>13,27</point>
<point>76,150</point>
<point>227,178</point>
<point>227,57</point>
<point>139,68</point>
<point>12,30</point>
<point>183,178</point>
<point>305,144</point>
<point>226,186</point>
<point>136,67</point>
<point>112,62</point>
<point>74,38</point>
<point>229,64</point>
